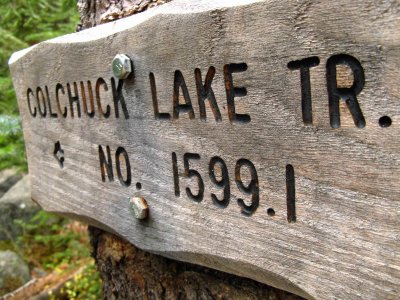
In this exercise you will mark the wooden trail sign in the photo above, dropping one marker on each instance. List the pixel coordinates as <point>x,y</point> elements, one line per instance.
<point>263,136</point>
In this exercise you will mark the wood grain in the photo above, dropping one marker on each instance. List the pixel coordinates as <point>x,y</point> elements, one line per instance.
<point>344,243</point>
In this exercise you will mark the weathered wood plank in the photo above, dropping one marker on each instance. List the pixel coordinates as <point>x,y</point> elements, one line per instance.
<point>328,216</point>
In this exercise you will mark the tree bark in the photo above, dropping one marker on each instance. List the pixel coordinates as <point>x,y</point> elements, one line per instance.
<point>130,273</point>
<point>95,12</point>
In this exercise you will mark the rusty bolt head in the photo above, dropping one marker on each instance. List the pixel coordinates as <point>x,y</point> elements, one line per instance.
<point>121,66</point>
<point>139,208</point>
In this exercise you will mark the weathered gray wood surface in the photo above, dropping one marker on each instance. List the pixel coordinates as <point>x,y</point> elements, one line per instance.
<point>345,241</point>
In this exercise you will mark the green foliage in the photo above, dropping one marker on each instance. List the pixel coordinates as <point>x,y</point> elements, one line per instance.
<point>50,242</point>
<point>24,23</point>
<point>12,148</point>
<point>85,285</point>
<point>46,240</point>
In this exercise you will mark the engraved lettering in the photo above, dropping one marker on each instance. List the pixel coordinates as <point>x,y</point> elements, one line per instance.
<point>106,164</point>
<point>34,112</point>
<point>221,183</point>
<point>205,92</point>
<point>179,83</point>
<point>191,173</point>
<point>40,98</point>
<point>349,95</point>
<point>121,151</point>
<point>251,189</point>
<point>100,82</point>
<point>58,88</point>
<point>291,194</point>
<point>232,92</point>
<point>304,66</point>
<point>175,174</point>
<point>90,113</point>
<point>153,87</point>
<point>119,98</point>
<point>219,176</point>
<point>52,115</point>
<point>74,99</point>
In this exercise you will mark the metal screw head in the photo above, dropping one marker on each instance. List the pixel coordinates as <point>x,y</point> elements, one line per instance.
<point>121,66</point>
<point>139,208</point>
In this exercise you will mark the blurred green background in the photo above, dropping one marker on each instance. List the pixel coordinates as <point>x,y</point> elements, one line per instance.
<point>53,244</point>
<point>24,23</point>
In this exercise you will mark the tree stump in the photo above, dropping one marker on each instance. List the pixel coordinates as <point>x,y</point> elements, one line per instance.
<point>130,273</point>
